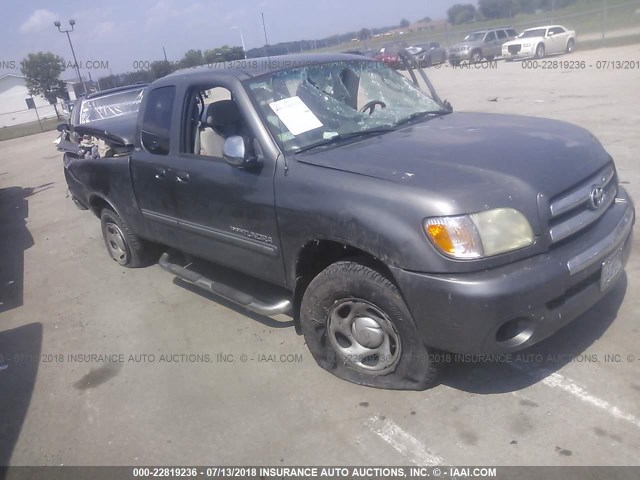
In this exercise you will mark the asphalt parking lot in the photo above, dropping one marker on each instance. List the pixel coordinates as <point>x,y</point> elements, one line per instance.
<point>260,398</point>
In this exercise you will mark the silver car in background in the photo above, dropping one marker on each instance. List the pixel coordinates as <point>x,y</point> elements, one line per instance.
<point>481,45</point>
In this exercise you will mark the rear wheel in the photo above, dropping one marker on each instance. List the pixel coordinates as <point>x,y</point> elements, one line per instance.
<point>571,45</point>
<point>124,246</point>
<point>358,328</point>
<point>540,51</point>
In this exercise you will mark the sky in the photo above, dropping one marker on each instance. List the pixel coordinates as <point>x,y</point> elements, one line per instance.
<point>118,35</point>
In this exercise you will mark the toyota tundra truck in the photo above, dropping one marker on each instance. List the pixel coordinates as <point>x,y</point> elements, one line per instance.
<point>389,226</point>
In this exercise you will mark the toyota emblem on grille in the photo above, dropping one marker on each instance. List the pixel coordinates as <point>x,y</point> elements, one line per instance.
<point>596,197</point>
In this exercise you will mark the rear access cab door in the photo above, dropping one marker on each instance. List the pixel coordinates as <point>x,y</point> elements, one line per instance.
<point>152,165</point>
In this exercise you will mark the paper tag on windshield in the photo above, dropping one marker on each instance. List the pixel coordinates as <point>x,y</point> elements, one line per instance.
<point>295,115</point>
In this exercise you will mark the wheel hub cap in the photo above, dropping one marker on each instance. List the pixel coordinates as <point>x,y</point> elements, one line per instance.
<point>115,243</point>
<point>363,336</point>
<point>367,332</point>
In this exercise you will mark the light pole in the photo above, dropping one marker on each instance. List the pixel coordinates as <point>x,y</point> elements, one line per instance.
<point>72,22</point>
<point>244,50</point>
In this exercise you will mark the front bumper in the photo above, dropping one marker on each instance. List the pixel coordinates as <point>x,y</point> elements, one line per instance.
<point>522,53</point>
<point>459,56</point>
<point>465,313</point>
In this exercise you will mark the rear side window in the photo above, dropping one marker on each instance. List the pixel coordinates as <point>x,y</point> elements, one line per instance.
<point>156,123</point>
<point>501,34</point>
<point>512,32</point>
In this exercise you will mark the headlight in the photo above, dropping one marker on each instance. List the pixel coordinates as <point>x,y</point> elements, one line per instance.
<point>480,234</point>
<point>464,48</point>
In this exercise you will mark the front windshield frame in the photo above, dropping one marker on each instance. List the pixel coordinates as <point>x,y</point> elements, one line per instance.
<point>355,124</point>
<point>539,32</point>
<point>475,37</point>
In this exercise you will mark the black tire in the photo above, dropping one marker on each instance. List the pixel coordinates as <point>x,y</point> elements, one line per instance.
<point>571,46</point>
<point>350,285</point>
<point>540,50</point>
<point>124,246</point>
<point>476,57</point>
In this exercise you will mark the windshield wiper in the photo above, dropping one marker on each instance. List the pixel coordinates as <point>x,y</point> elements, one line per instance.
<point>415,116</point>
<point>346,136</point>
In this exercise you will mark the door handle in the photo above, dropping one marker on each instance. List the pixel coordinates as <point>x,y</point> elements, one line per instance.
<point>161,173</point>
<point>182,177</point>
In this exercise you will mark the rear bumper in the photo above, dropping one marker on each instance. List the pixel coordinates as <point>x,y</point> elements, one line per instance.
<point>465,313</point>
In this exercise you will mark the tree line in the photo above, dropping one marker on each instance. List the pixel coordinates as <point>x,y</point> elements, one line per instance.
<point>496,9</point>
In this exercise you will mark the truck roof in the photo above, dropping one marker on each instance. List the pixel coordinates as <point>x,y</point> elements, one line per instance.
<point>253,67</point>
<point>100,93</point>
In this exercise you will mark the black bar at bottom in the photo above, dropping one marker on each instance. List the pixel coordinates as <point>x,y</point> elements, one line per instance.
<point>320,472</point>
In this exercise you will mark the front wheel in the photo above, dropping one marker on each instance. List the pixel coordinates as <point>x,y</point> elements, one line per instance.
<point>540,51</point>
<point>358,328</point>
<point>476,57</point>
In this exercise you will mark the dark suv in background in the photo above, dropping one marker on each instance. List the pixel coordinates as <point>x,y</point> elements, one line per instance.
<point>481,45</point>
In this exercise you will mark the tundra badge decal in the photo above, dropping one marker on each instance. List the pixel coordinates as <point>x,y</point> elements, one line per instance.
<point>256,236</point>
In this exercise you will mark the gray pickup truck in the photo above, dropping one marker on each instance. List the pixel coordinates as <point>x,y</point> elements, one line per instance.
<point>388,226</point>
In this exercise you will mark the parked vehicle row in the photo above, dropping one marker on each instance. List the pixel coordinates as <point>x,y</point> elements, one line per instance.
<point>500,42</point>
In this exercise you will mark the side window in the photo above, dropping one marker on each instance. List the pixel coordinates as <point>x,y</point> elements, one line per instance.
<point>556,30</point>
<point>501,34</point>
<point>490,37</point>
<point>156,123</point>
<point>218,118</point>
<point>512,32</point>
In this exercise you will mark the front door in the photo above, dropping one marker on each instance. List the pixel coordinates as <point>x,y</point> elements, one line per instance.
<point>226,214</point>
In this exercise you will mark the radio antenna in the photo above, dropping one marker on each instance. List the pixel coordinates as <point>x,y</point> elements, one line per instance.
<point>266,40</point>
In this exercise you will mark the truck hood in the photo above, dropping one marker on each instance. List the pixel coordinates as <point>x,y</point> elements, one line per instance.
<point>471,157</point>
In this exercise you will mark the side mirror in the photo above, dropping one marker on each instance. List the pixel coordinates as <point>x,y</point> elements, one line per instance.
<point>235,153</point>
<point>63,127</point>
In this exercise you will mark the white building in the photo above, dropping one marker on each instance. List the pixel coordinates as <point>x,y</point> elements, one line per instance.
<point>17,106</point>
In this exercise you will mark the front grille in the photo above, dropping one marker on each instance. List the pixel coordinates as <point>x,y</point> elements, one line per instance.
<point>575,209</point>
<point>513,49</point>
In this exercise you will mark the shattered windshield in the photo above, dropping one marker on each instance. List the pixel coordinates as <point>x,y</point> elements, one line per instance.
<point>313,104</point>
<point>109,106</point>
